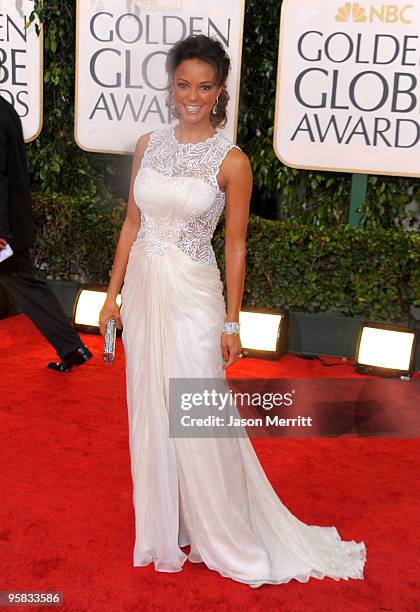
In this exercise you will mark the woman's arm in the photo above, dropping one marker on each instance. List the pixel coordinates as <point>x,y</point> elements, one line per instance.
<point>237,177</point>
<point>127,236</point>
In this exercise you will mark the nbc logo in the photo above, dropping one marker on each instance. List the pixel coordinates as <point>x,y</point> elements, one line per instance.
<point>384,13</point>
<point>351,12</point>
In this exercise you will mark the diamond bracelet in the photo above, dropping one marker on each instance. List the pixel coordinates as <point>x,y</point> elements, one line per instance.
<point>232,328</point>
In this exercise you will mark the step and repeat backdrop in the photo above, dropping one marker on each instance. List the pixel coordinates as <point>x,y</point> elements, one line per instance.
<point>121,82</point>
<point>21,70</point>
<point>348,93</point>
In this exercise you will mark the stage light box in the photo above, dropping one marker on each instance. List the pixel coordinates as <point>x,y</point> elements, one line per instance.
<point>87,307</point>
<point>385,350</point>
<point>264,334</point>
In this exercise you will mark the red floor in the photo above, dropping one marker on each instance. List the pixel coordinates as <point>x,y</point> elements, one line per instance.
<point>66,519</point>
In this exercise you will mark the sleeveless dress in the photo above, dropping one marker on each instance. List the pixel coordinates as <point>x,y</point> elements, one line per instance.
<point>209,493</point>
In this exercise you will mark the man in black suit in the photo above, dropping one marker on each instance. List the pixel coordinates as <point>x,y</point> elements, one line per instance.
<point>17,273</point>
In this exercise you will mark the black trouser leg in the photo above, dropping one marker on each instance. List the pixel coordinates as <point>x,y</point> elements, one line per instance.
<point>38,302</point>
<point>4,303</point>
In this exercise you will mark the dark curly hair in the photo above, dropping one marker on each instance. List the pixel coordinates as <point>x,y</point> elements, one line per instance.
<point>208,50</point>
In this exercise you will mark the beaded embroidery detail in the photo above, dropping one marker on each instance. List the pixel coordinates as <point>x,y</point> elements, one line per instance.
<point>201,161</point>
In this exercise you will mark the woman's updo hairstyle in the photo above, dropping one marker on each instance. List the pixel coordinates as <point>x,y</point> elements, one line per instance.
<point>208,50</point>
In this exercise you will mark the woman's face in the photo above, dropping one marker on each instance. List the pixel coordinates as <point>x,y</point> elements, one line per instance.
<point>195,91</point>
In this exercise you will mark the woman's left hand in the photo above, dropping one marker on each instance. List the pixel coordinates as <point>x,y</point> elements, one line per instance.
<point>231,349</point>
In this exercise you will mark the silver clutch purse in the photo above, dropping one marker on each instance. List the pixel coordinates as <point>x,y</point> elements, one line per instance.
<point>109,341</point>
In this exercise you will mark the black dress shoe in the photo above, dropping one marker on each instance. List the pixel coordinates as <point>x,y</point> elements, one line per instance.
<point>75,358</point>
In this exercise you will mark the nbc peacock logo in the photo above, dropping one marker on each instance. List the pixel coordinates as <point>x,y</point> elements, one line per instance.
<point>351,11</point>
<point>354,12</point>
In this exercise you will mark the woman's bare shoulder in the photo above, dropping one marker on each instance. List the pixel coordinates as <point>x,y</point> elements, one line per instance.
<point>236,162</point>
<point>237,156</point>
<point>142,144</point>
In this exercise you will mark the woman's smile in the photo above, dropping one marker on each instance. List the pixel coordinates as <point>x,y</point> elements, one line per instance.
<point>193,109</point>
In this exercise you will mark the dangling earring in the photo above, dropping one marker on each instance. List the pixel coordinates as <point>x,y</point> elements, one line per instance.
<point>214,111</point>
<point>172,106</point>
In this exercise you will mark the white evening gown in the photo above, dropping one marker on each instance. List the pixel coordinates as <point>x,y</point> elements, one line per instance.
<point>211,493</point>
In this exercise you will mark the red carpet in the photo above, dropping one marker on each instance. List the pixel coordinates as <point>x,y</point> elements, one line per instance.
<point>66,518</point>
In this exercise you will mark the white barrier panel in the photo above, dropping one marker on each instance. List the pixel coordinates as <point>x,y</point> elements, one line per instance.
<point>348,93</point>
<point>21,65</point>
<point>120,64</point>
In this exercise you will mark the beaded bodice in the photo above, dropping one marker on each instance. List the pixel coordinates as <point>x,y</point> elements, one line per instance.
<point>178,195</point>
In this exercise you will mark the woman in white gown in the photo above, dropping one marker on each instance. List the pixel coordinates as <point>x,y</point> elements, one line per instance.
<point>209,493</point>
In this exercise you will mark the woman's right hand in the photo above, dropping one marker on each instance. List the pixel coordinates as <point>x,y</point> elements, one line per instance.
<point>110,310</point>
